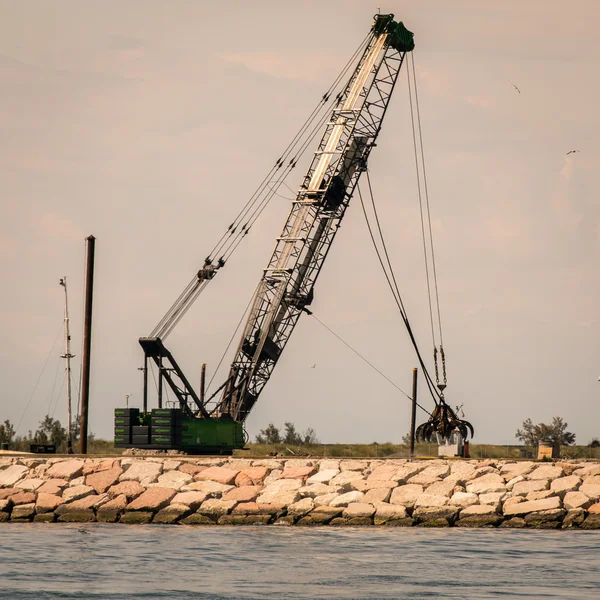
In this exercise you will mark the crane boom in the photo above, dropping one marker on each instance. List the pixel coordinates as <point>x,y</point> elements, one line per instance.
<point>287,284</point>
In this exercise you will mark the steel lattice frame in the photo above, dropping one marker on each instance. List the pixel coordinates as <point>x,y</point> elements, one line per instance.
<point>288,281</point>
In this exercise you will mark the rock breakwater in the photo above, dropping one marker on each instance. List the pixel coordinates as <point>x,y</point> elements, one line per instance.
<point>235,491</point>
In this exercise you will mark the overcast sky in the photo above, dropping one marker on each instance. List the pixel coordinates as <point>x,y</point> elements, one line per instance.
<point>150,123</point>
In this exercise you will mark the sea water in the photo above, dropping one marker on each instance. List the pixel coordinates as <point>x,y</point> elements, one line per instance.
<point>40,561</point>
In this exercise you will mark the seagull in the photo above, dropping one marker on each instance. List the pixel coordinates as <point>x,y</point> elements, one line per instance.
<point>313,366</point>
<point>516,88</point>
<point>572,152</point>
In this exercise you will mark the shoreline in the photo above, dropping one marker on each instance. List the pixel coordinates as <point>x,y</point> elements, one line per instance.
<point>418,492</point>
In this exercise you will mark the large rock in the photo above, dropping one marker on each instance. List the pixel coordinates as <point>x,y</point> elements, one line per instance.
<point>102,480</point>
<point>576,500</point>
<point>347,498</point>
<point>66,469</point>
<point>430,475</point>
<point>493,499</point>
<point>315,489</point>
<point>22,498</point>
<point>23,511</point>
<point>47,502</point>
<point>145,472</point>
<point>353,465</point>
<point>171,514</point>
<point>52,486</point>
<point>573,518</point>
<point>325,499</point>
<point>274,475</point>
<point>116,504</point>
<point>385,512</point>
<point>298,472</point>
<point>587,470</point>
<point>431,500</point>
<point>252,508</point>
<point>510,470</point>
<point>251,476</point>
<point>29,485</point>
<point>152,500</point>
<point>211,488</point>
<point>565,484</point>
<point>131,489</point>
<point>546,472</point>
<point>406,495</point>
<point>345,479</point>
<point>84,504</point>
<point>362,485</point>
<point>594,509</point>
<point>358,509</point>
<point>477,509</point>
<point>301,508</point>
<point>246,493</point>
<point>191,499</point>
<point>591,487</point>
<point>441,488</point>
<point>222,475</point>
<point>405,472</point>
<point>282,491</point>
<point>321,515</point>
<point>525,487</point>
<point>77,492</point>
<point>10,476</point>
<point>377,495</point>
<point>541,494</point>
<point>487,484</point>
<point>431,513</point>
<point>510,484</point>
<point>173,479</point>
<point>191,469</point>
<point>464,499</point>
<point>383,472</point>
<point>523,508</point>
<point>216,508</point>
<point>323,476</point>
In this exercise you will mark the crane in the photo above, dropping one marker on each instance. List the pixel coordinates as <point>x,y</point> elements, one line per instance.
<point>287,286</point>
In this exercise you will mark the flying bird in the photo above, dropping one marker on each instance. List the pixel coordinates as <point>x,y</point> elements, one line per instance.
<point>572,152</point>
<point>516,88</point>
<point>313,366</point>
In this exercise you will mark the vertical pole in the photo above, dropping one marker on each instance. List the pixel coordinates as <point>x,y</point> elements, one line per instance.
<point>145,405</point>
<point>413,414</point>
<point>87,341</point>
<point>202,382</point>
<point>68,356</point>
<point>160,382</point>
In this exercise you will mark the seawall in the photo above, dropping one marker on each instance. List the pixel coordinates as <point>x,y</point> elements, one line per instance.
<point>235,491</point>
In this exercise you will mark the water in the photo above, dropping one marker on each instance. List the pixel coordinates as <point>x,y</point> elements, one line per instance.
<point>217,563</point>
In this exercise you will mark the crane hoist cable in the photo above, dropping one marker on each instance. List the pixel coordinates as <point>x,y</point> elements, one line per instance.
<point>257,203</point>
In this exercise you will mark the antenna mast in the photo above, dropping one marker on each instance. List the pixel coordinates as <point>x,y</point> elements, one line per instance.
<point>67,356</point>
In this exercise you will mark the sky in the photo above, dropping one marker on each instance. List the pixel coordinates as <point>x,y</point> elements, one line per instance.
<point>149,124</point>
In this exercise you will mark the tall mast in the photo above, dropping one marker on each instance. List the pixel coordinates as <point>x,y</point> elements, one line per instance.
<point>67,356</point>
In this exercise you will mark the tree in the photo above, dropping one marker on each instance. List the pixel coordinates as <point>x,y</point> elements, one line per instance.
<point>50,431</point>
<point>7,432</point>
<point>310,436</point>
<point>553,433</point>
<point>595,443</point>
<point>270,435</point>
<point>291,435</point>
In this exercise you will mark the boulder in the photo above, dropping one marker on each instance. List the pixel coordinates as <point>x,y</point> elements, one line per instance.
<point>377,495</point>
<point>321,515</point>
<point>587,470</point>
<point>102,480</point>
<point>511,482</point>
<point>269,463</point>
<point>475,521</point>
<point>222,475</point>
<point>523,508</point>
<point>546,472</point>
<point>66,469</point>
<point>153,499</point>
<point>23,511</point>
<point>576,500</point>
<point>274,475</point>
<point>594,509</point>
<point>347,498</point>
<point>131,489</point>
<point>174,479</point>
<point>383,472</point>
<point>298,472</point>
<point>44,518</point>
<point>252,508</point>
<point>171,463</point>
<point>431,500</point>
<point>477,509</point>
<point>301,508</point>
<point>315,489</point>
<point>251,476</point>
<point>565,484</point>
<point>144,472</point>
<point>216,508</point>
<point>591,487</point>
<point>353,465</point>
<point>540,495</point>
<point>282,491</point>
<point>486,484</point>
<point>325,499</point>
<point>514,523</point>
<point>84,504</point>
<point>362,485</point>
<point>323,476</point>
<point>432,513</point>
<point>510,470</point>
<point>385,512</point>
<point>116,504</point>
<point>545,519</point>
<point>573,518</point>
<point>52,486</point>
<point>211,488</point>
<point>29,485</point>
<point>441,488</point>
<point>79,516</point>
<point>247,493</point>
<point>592,522</point>
<point>464,499</point>
<point>191,469</point>
<point>47,502</point>
<point>10,476</point>
<point>245,520</point>
<point>137,517</point>
<point>406,495</point>
<point>525,487</point>
<point>405,472</point>
<point>358,509</point>
<point>345,479</point>
<point>77,481</point>
<point>430,475</point>
<point>171,514</point>
<point>77,492</point>
<point>22,498</point>
<point>197,519</point>
<point>494,499</point>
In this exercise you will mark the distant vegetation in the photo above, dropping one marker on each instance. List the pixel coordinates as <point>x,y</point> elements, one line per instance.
<point>272,435</point>
<point>553,433</point>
